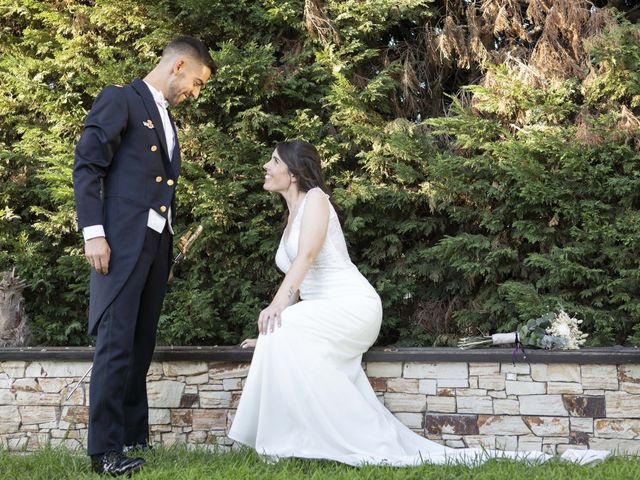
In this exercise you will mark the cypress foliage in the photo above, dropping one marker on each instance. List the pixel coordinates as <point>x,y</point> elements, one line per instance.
<point>467,212</point>
<point>542,191</point>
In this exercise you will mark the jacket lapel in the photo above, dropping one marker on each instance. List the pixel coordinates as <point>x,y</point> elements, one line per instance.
<point>154,115</point>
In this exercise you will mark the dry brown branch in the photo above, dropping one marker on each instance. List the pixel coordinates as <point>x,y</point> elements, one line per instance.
<point>537,12</point>
<point>461,42</point>
<point>409,80</point>
<point>476,46</point>
<point>598,21</point>
<point>502,22</point>
<point>490,10</point>
<point>628,121</point>
<point>318,24</point>
<point>435,317</point>
<point>559,52</point>
<point>430,42</point>
<point>629,126</point>
<point>449,38</point>
<point>585,133</point>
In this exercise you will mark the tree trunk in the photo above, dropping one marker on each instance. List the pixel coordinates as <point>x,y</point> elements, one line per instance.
<point>13,321</point>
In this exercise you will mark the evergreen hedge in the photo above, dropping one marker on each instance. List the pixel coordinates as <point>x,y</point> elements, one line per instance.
<point>475,190</point>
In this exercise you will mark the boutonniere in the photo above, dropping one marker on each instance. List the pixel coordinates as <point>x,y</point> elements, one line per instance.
<point>148,124</point>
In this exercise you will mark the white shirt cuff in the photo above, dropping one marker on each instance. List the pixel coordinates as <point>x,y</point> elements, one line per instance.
<point>93,231</point>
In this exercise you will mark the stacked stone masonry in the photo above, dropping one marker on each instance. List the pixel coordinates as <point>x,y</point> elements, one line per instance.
<point>548,407</point>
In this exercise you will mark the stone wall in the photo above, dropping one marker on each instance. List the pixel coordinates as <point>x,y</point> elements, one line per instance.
<point>544,405</point>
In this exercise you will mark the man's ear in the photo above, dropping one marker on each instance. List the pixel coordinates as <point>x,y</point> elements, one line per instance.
<point>178,65</point>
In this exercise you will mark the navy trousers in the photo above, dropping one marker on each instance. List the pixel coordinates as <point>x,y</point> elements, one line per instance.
<point>126,338</point>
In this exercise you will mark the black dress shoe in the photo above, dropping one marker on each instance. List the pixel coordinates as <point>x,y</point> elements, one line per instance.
<point>115,464</point>
<point>138,447</point>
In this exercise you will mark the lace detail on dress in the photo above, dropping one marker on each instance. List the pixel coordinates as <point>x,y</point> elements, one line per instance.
<point>333,258</point>
<point>334,249</point>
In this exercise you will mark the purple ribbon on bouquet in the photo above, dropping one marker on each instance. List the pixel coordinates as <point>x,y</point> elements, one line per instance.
<point>515,350</point>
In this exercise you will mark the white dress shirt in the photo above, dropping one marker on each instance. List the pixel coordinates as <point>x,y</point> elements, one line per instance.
<point>155,221</point>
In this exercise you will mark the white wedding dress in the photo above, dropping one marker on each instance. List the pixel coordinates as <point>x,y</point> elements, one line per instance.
<point>306,394</point>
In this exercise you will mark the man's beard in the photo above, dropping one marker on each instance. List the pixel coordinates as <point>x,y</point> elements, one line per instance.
<point>173,96</point>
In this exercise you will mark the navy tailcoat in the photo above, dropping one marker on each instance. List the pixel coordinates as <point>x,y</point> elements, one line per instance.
<point>121,170</point>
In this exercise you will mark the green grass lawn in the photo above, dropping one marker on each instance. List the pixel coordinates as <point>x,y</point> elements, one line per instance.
<point>182,464</point>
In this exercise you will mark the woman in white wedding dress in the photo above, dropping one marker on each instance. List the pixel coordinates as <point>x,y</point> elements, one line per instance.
<point>306,394</point>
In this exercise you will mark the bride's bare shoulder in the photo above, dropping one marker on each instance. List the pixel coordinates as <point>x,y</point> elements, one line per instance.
<point>316,202</point>
<point>317,195</point>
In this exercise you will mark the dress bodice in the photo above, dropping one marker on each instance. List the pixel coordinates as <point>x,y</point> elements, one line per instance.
<point>332,272</point>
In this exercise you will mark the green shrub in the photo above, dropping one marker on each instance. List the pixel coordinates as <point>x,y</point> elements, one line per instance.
<point>490,214</point>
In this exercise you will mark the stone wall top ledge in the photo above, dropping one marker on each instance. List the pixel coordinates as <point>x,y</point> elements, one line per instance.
<point>608,355</point>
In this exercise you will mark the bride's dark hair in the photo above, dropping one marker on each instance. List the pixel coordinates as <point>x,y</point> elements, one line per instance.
<point>303,161</point>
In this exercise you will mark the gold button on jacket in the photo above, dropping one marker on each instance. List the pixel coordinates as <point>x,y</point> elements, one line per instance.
<point>163,209</point>
<point>154,148</point>
<point>158,179</point>
<point>170,182</point>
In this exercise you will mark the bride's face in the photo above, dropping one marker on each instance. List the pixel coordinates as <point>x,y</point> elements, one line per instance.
<point>277,177</point>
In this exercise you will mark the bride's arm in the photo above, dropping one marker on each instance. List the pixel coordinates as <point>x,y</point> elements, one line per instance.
<point>315,222</point>
<point>294,298</point>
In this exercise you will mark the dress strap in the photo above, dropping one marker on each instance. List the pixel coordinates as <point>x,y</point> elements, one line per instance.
<point>304,201</point>
<point>317,188</point>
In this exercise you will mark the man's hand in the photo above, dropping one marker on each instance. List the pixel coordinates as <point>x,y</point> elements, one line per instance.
<point>98,254</point>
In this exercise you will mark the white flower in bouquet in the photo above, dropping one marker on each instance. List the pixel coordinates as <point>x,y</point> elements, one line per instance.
<point>565,326</point>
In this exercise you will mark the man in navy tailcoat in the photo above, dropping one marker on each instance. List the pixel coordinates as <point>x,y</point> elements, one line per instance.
<point>125,173</point>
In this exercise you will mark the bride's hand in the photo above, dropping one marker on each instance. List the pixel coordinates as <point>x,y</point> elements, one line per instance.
<point>270,317</point>
<point>249,343</point>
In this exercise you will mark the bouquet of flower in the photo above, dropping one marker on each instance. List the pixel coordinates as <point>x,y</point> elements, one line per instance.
<point>550,331</point>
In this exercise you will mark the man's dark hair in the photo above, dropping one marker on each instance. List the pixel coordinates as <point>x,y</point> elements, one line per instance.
<point>191,47</point>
